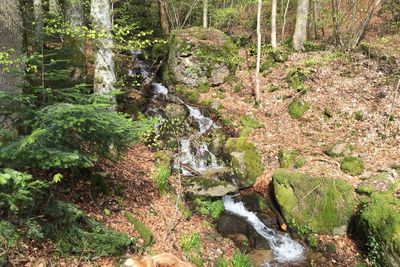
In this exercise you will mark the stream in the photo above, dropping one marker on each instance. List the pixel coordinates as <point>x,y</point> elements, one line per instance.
<point>194,157</point>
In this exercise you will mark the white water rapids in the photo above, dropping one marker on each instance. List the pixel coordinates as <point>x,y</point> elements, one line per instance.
<point>283,247</point>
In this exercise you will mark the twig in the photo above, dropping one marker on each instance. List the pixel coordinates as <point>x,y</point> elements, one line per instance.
<point>309,192</point>
<point>393,104</point>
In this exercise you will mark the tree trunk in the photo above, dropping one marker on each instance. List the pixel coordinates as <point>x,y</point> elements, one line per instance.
<point>11,38</point>
<point>300,32</point>
<point>273,24</point>
<point>38,16</point>
<point>284,19</point>
<point>257,90</point>
<point>54,7</point>
<point>336,35</point>
<point>205,13</point>
<point>104,74</point>
<point>163,13</point>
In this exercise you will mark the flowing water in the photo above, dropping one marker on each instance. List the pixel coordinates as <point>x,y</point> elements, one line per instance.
<point>194,158</point>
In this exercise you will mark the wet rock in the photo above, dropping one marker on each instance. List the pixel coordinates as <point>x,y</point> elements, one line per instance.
<point>261,257</point>
<point>200,56</point>
<point>175,111</point>
<point>245,161</point>
<point>253,202</point>
<point>338,150</point>
<point>208,187</point>
<point>230,225</point>
<point>324,205</point>
<point>352,165</point>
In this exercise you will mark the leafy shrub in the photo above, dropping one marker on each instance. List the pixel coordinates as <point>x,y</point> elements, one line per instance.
<point>163,172</point>
<point>191,242</point>
<point>209,207</point>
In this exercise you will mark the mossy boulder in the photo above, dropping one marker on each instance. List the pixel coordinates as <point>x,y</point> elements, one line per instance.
<point>245,160</point>
<point>378,225</point>
<point>338,150</point>
<point>297,108</point>
<point>352,165</point>
<point>322,204</point>
<point>291,158</point>
<point>175,111</point>
<point>380,182</point>
<point>208,187</point>
<point>200,56</point>
<point>250,121</point>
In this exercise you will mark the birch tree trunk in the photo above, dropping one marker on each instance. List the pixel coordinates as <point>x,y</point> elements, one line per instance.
<point>38,17</point>
<point>104,74</point>
<point>284,19</point>
<point>257,90</point>
<point>300,32</point>
<point>11,38</point>
<point>273,24</point>
<point>205,13</point>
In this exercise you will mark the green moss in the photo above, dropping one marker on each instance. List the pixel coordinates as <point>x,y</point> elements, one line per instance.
<point>300,162</point>
<point>189,93</point>
<point>245,131</point>
<point>141,228</point>
<point>249,121</point>
<point>253,165</point>
<point>322,204</point>
<point>289,158</point>
<point>297,108</point>
<point>203,88</point>
<point>296,78</point>
<point>352,165</point>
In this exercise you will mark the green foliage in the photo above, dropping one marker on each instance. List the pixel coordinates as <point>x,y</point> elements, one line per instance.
<point>313,46</point>
<point>209,207</point>
<point>18,191</point>
<point>9,235</point>
<point>141,228</point>
<point>191,242</point>
<point>221,261</point>
<point>76,234</point>
<point>241,260</point>
<point>163,172</point>
<point>289,158</point>
<point>296,78</point>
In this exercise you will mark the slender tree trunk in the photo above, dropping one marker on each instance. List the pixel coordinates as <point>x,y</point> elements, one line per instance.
<point>300,32</point>
<point>104,74</point>
<point>336,34</point>
<point>314,19</point>
<point>284,19</point>
<point>205,13</point>
<point>54,7</point>
<point>38,30</point>
<point>11,38</point>
<point>163,13</point>
<point>257,90</point>
<point>273,24</point>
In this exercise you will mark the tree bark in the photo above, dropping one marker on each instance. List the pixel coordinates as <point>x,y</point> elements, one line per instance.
<point>300,32</point>
<point>104,74</point>
<point>257,90</point>
<point>284,19</point>
<point>11,38</point>
<point>38,30</point>
<point>273,24</point>
<point>163,13</point>
<point>205,13</point>
<point>336,34</point>
<point>54,7</point>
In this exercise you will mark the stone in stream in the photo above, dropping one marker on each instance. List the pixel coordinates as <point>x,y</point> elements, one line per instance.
<point>245,161</point>
<point>324,205</point>
<point>199,56</point>
<point>175,111</point>
<point>378,221</point>
<point>208,187</point>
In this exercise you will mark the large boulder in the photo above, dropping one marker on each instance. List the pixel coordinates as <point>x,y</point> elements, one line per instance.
<point>324,205</point>
<point>245,160</point>
<point>378,221</point>
<point>208,187</point>
<point>200,56</point>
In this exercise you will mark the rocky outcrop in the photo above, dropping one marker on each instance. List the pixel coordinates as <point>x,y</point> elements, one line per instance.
<point>245,160</point>
<point>199,56</point>
<point>322,204</point>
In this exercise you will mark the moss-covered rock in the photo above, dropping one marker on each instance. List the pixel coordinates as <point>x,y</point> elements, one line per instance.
<point>208,187</point>
<point>352,165</point>
<point>296,78</point>
<point>199,56</point>
<point>250,121</point>
<point>322,204</point>
<point>378,225</point>
<point>187,92</point>
<point>245,159</point>
<point>289,158</point>
<point>338,150</point>
<point>297,108</point>
<point>141,228</point>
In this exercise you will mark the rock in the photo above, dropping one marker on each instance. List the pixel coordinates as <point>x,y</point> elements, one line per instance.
<point>217,143</point>
<point>175,111</point>
<point>253,202</point>
<point>250,121</point>
<point>380,182</point>
<point>241,242</point>
<point>289,158</point>
<point>245,161</point>
<point>200,56</point>
<point>323,204</point>
<point>230,225</point>
<point>297,108</point>
<point>378,224</point>
<point>352,165</point>
<point>207,187</point>
<point>261,257</point>
<point>338,150</point>
<point>164,259</point>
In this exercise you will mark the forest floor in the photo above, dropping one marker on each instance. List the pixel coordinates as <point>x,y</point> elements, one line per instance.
<point>341,84</point>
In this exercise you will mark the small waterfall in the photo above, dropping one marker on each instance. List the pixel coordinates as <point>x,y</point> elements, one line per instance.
<point>283,247</point>
<point>205,123</point>
<point>159,89</point>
